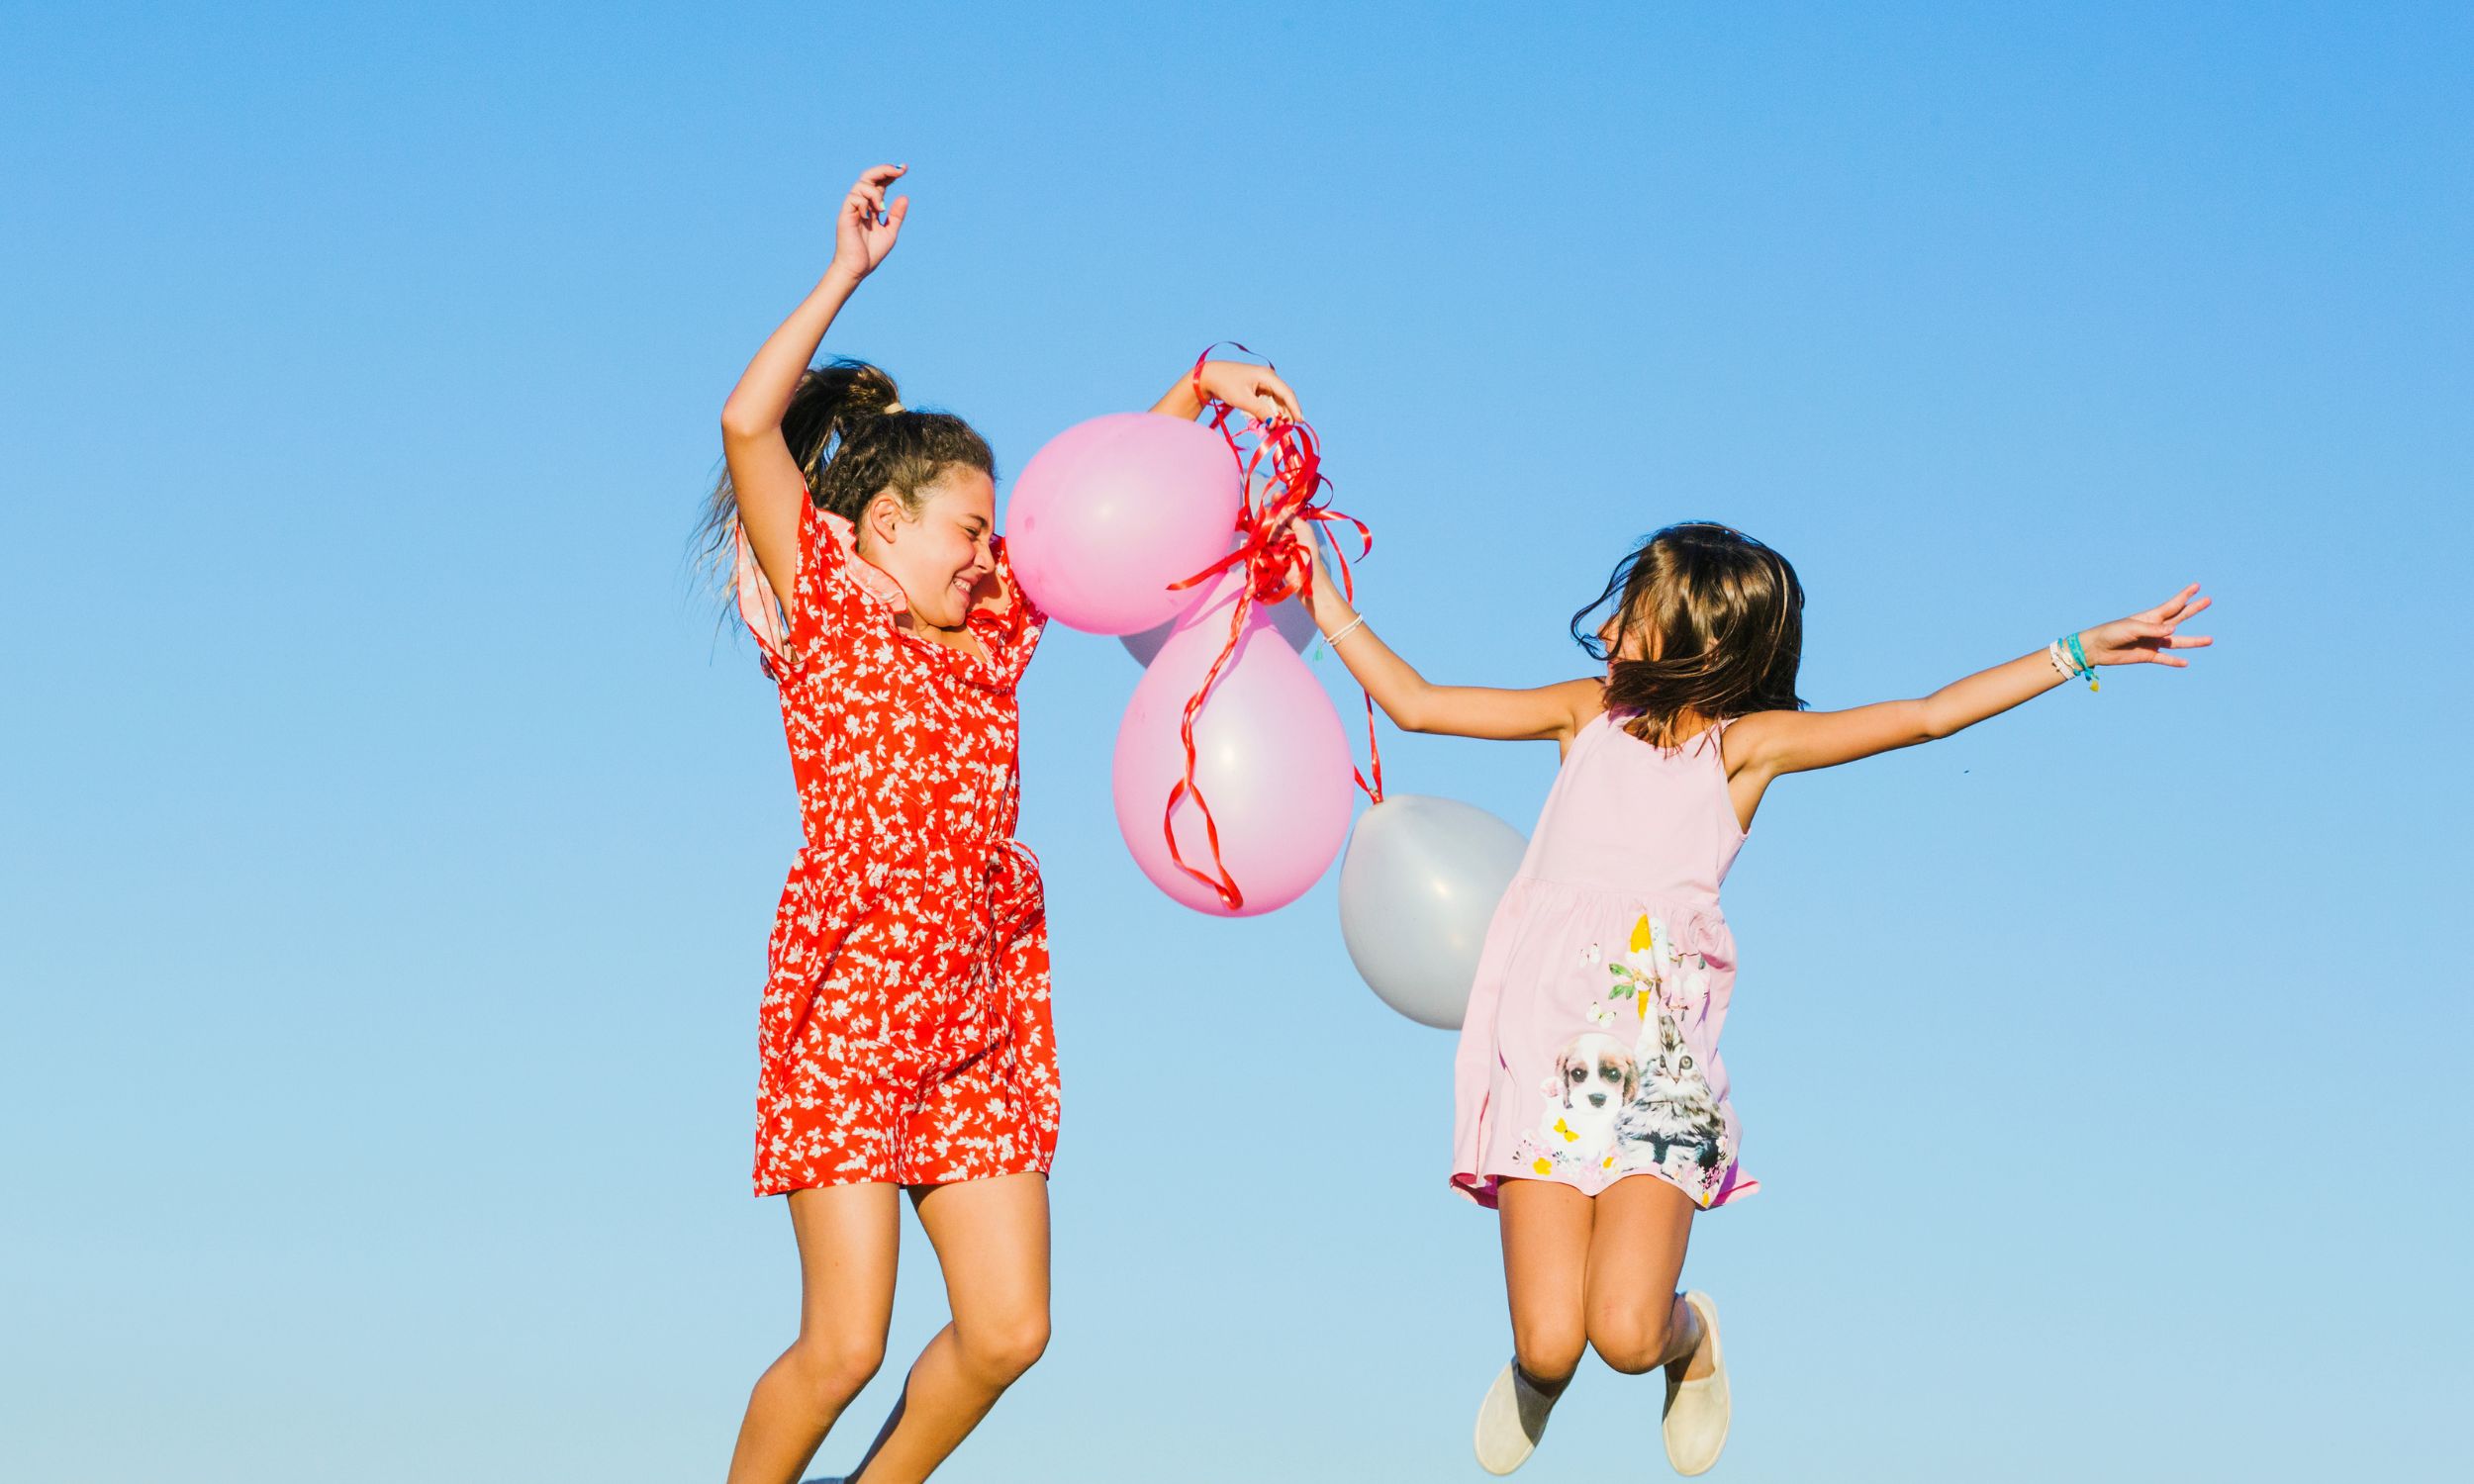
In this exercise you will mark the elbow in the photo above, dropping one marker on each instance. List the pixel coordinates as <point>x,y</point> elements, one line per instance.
<point>740,426</point>
<point>1409,717</point>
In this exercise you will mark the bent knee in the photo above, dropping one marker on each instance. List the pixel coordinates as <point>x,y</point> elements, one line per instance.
<point>1548,1351</point>
<point>1003,1350</point>
<point>837,1367</point>
<point>1632,1343</point>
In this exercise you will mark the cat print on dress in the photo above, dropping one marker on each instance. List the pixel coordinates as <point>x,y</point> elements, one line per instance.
<point>1671,1123</point>
<point>1613,1108</point>
<point>1673,1118</point>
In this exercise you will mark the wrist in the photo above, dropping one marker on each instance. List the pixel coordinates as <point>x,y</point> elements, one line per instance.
<point>840,278</point>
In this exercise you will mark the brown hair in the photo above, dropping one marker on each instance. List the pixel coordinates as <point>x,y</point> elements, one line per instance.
<point>1723,616</point>
<point>855,440</point>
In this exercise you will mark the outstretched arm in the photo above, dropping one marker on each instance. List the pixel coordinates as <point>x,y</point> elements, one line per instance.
<point>1254,390</point>
<point>1417,704</point>
<point>763,473</point>
<point>1766,744</point>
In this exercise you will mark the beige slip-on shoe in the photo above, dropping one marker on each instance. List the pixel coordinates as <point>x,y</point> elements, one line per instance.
<point>1697,1412</point>
<point>1510,1421</point>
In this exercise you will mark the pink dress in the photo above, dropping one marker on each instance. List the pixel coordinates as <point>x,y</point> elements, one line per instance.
<point>1590,1047</point>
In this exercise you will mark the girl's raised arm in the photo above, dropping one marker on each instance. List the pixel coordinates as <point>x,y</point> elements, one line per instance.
<point>1417,704</point>
<point>1251,389</point>
<point>765,478</point>
<point>1765,744</point>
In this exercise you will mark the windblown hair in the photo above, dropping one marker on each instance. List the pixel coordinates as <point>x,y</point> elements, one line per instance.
<point>855,440</point>
<point>1723,616</point>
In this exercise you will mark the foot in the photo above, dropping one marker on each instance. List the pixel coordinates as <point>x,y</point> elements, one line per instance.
<point>1698,1407</point>
<point>1512,1419</point>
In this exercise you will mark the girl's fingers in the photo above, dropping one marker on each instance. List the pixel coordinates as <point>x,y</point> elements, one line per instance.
<point>1282,393</point>
<point>2171,605</point>
<point>901,209</point>
<point>2190,641</point>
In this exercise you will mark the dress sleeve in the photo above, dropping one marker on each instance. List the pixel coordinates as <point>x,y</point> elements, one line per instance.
<point>1023,620</point>
<point>835,591</point>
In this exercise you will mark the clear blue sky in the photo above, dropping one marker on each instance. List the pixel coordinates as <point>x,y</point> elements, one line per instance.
<point>392,841</point>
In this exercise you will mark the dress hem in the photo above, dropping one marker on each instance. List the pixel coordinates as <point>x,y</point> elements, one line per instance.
<point>1040,1166</point>
<point>1485,1189</point>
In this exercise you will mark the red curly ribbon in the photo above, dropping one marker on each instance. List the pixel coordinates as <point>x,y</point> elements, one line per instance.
<point>1279,469</point>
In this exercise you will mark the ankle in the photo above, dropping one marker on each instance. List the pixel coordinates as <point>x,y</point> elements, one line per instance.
<point>1687,1333</point>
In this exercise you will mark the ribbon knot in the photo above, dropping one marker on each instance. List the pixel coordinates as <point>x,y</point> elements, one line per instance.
<point>1280,470</point>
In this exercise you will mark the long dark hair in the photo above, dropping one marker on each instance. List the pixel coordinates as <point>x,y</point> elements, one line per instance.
<point>855,440</point>
<point>1723,614</point>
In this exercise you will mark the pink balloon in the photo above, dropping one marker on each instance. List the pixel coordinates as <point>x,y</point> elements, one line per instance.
<point>1272,758</point>
<point>1112,510</point>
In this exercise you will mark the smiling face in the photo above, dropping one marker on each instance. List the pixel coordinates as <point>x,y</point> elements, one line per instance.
<point>941,555</point>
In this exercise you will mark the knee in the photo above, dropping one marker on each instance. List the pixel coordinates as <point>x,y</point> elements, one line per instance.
<point>1001,1350</point>
<point>837,1367</point>
<point>1548,1350</point>
<point>1633,1343</point>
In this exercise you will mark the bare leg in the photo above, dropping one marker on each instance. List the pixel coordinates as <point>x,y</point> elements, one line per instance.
<point>849,1239</point>
<point>1636,1321</point>
<point>992,1240</point>
<point>1546,1229</point>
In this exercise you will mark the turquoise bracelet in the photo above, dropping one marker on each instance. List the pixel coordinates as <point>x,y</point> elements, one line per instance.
<point>2080,656</point>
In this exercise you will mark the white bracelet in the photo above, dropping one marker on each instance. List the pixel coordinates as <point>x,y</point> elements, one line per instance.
<point>2062,662</point>
<point>1346,630</point>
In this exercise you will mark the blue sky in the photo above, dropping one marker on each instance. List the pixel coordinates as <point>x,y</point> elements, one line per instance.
<point>393,834</point>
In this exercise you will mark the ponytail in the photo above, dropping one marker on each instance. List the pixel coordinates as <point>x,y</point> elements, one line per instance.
<point>854,440</point>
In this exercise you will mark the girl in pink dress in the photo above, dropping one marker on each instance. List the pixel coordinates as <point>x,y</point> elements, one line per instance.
<point>1591,1104</point>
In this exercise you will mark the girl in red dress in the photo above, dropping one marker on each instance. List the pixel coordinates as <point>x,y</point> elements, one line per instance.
<point>904,1041</point>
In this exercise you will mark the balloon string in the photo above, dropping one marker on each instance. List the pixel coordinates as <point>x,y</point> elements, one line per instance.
<point>1281,480</point>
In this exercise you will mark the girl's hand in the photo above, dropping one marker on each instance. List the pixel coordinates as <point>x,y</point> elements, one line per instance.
<point>1303,530</point>
<point>864,229</point>
<point>1256,390</point>
<point>2146,638</point>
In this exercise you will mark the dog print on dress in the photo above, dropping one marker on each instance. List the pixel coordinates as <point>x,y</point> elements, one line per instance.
<point>1594,1079</point>
<point>1671,1123</point>
<point>1647,1107</point>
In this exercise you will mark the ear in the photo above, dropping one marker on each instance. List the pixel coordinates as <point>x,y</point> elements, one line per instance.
<point>884,517</point>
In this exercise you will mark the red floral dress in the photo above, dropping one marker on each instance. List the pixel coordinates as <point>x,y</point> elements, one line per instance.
<point>905,1036</point>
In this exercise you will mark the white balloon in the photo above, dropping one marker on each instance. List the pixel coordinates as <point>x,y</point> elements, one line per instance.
<point>1417,890</point>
